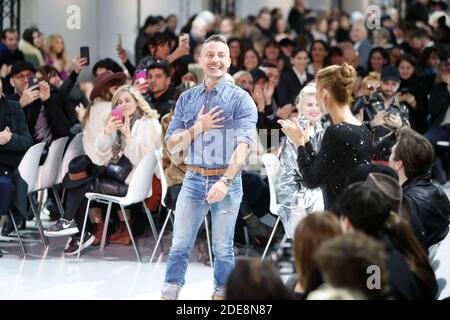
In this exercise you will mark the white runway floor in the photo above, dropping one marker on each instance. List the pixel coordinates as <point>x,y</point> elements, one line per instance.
<point>117,274</point>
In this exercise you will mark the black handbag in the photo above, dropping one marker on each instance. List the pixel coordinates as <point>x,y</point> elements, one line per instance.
<point>120,170</point>
<point>108,186</point>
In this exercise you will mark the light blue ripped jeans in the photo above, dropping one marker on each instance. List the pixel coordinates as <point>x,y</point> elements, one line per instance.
<point>190,212</point>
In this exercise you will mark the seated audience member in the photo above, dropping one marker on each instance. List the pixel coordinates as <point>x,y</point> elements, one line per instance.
<point>104,65</point>
<point>244,80</point>
<point>160,95</point>
<point>9,54</point>
<point>393,194</point>
<point>309,234</point>
<point>15,140</point>
<point>134,136</point>
<point>363,207</point>
<point>345,261</point>
<point>295,199</point>
<point>384,114</point>
<point>294,79</point>
<point>252,279</point>
<point>31,45</point>
<point>438,106</point>
<point>46,119</point>
<point>57,55</point>
<point>412,157</point>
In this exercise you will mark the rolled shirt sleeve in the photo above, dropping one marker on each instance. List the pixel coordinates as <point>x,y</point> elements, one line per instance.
<point>246,116</point>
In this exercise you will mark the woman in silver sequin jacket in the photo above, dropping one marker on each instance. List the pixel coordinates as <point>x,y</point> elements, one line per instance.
<point>294,198</point>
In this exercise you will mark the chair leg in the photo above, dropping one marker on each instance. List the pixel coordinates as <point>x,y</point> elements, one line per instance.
<point>151,221</point>
<point>86,214</point>
<point>271,237</point>
<point>160,235</point>
<point>18,234</point>
<point>105,228</point>
<point>209,242</point>
<point>58,202</point>
<point>38,220</point>
<point>131,234</point>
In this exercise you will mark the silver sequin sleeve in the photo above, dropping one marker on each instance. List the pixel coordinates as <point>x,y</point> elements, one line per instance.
<point>294,198</point>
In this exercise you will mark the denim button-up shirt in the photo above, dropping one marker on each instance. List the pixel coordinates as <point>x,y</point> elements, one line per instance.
<point>213,149</point>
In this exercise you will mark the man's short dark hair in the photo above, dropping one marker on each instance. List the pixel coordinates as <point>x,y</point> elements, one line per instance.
<point>415,151</point>
<point>7,30</point>
<point>163,65</point>
<point>108,64</point>
<point>419,34</point>
<point>216,38</point>
<point>365,207</point>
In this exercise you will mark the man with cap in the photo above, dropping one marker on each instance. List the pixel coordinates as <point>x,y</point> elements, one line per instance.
<point>384,113</point>
<point>161,94</point>
<point>46,120</point>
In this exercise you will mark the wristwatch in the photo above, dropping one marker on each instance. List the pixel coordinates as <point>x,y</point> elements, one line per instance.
<point>226,180</point>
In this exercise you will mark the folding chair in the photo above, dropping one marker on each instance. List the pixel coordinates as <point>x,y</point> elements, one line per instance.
<point>49,172</point>
<point>28,170</point>
<point>272,165</point>
<point>138,191</point>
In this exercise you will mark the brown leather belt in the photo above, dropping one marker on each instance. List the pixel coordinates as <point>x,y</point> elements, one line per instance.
<point>208,172</point>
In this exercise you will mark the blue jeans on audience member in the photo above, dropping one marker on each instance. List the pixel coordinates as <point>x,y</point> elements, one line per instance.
<point>438,134</point>
<point>190,212</point>
<point>6,193</point>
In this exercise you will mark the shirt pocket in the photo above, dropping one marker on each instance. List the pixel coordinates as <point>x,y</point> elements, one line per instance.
<point>228,121</point>
<point>189,120</point>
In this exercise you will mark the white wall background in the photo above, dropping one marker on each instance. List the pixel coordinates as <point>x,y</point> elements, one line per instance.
<point>101,20</point>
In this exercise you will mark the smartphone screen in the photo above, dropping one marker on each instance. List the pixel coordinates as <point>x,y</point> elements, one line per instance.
<point>32,81</point>
<point>84,53</point>
<point>183,40</point>
<point>141,76</point>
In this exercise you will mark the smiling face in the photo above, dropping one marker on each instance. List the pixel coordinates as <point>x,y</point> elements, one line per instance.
<point>250,60</point>
<point>310,108</point>
<point>377,61</point>
<point>406,70</point>
<point>318,52</point>
<point>127,103</point>
<point>300,61</point>
<point>215,59</point>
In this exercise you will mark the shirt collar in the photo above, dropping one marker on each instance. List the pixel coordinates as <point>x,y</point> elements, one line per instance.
<point>301,77</point>
<point>219,87</point>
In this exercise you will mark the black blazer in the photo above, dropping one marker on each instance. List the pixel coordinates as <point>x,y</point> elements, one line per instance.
<point>289,86</point>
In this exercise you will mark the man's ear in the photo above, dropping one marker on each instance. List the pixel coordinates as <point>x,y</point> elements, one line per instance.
<point>11,82</point>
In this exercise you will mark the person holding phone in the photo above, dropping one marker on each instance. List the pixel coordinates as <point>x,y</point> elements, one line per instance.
<point>130,130</point>
<point>384,114</point>
<point>47,120</point>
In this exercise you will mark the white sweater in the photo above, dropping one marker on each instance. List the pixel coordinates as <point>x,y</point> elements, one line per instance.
<point>98,117</point>
<point>145,138</point>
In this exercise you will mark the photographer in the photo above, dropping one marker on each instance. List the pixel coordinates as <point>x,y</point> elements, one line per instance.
<point>46,119</point>
<point>384,113</point>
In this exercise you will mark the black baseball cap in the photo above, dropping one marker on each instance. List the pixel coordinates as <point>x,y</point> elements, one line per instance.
<point>257,74</point>
<point>160,64</point>
<point>20,66</point>
<point>390,73</point>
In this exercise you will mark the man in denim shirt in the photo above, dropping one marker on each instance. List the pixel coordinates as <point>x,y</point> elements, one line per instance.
<point>216,123</point>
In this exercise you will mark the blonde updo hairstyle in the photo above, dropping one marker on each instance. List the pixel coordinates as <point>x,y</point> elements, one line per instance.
<point>338,81</point>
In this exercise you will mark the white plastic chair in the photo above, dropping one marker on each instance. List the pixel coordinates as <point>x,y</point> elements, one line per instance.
<point>74,150</point>
<point>158,154</point>
<point>272,165</point>
<point>49,172</point>
<point>28,170</point>
<point>138,191</point>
